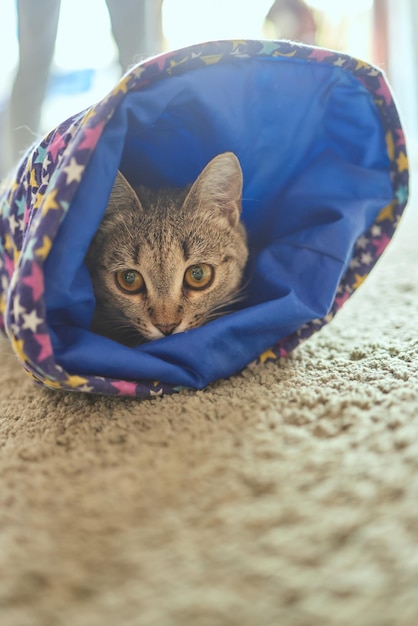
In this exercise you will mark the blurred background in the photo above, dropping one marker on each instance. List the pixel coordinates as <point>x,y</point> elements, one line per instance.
<point>77,49</point>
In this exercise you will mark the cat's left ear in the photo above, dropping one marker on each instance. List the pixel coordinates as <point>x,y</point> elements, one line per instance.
<point>219,187</point>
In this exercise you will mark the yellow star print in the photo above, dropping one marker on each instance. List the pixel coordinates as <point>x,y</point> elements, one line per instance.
<point>359,280</point>
<point>33,182</point>
<point>51,384</point>
<point>75,381</point>
<point>9,244</point>
<point>50,203</point>
<point>122,85</point>
<point>43,251</point>
<point>17,345</point>
<point>210,59</point>
<point>176,63</point>
<point>390,145</point>
<point>387,212</point>
<point>268,354</point>
<point>402,162</point>
<point>90,113</point>
<point>362,64</point>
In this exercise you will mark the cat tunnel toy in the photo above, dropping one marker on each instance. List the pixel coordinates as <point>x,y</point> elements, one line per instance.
<point>325,172</point>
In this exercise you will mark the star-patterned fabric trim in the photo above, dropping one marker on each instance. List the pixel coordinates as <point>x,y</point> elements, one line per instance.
<point>35,200</point>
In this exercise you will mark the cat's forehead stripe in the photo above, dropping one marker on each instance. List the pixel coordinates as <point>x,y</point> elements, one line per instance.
<point>135,253</point>
<point>186,249</point>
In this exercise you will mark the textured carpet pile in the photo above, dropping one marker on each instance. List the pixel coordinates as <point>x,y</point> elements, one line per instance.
<point>286,495</point>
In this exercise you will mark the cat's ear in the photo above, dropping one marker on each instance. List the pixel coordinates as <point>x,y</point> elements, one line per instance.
<point>219,187</point>
<point>123,192</point>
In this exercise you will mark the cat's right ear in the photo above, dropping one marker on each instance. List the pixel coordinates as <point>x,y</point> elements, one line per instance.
<point>218,188</point>
<point>123,192</point>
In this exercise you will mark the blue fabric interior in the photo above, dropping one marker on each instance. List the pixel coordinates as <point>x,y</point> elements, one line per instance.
<point>316,174</point>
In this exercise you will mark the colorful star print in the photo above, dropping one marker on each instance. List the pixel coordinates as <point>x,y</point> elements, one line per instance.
<point>31,321</point>
<point>35,281</point>
<point>73,171</point>
<point>44,342</point>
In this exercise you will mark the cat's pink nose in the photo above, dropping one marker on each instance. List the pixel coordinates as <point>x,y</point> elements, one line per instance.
<point>166,329</point>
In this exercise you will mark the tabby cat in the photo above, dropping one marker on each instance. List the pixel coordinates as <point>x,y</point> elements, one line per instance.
<point>164,261</point>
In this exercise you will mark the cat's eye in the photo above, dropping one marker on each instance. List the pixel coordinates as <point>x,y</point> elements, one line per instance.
<point>129,281</point>
<point>199,276</point>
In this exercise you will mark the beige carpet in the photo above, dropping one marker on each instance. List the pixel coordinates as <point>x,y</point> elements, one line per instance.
<point>286,496</point>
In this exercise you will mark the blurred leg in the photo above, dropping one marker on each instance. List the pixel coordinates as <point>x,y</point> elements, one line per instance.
<point>37,30</point>
<point>137,29</point>
<point>380,33</point>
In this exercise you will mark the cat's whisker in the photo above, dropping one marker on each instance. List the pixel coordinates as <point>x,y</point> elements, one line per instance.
<point>119,329</point>
<point>215,316</point>
<point>221,309</point>
<point>238,296</point>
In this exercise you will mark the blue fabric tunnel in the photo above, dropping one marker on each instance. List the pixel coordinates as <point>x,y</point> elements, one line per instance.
<point>325,181</point>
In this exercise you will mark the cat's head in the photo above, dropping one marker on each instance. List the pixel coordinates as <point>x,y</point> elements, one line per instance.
<point>165,261</point>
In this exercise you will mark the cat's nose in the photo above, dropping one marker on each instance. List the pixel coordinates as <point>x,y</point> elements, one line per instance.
<point>166,329</point>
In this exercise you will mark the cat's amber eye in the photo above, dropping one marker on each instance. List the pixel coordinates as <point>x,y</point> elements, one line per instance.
<point>129,281</point>
<point>199,276</point>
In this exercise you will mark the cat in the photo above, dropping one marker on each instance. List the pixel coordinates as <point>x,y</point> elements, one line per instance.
<point>164,261</point>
